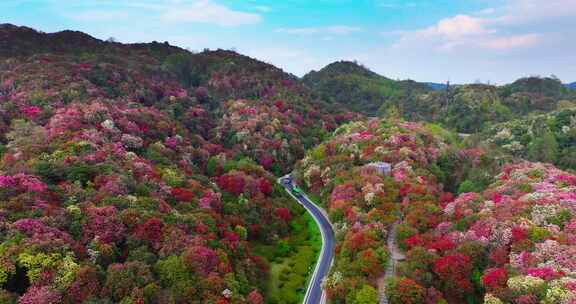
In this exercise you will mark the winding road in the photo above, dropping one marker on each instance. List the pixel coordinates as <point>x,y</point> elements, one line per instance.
<point>314,293</point>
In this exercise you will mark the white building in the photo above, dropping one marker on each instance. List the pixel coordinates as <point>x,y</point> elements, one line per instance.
<point>381,167</point>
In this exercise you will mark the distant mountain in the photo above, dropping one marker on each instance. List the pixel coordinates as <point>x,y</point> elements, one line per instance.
<point>571,86</point>
<point>469,108</point>
<point>530,94</point>
<point>359,88</point>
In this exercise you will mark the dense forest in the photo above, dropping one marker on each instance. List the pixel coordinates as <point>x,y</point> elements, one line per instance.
<point>146,173</point>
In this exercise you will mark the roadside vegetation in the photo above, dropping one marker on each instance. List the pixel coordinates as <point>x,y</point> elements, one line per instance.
<point>291,260</point>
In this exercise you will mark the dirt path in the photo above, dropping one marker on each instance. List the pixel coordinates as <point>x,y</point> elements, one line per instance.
<point>395,256</point>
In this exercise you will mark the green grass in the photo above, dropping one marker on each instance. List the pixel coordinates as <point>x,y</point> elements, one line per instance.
<point>290,271</point>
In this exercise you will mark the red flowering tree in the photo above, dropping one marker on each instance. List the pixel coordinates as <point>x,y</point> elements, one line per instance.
<point>405,291</point>
<point>40,295</point>
<point>255,298</point>
<point>494,279</point>
<point>284,214</point>
<point>201,259</point>
<point>150,231</point>
<point>105,224</point>
<point>182,195</point>
<point>86,284</point>
<point>232,183</point>
<point>455,271</point>
<point>265,186</point>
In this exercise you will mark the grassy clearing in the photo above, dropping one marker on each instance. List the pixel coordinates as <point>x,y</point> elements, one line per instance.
<point>291,261</point>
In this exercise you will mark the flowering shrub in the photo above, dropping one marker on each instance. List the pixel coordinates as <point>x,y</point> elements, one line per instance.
<point>123,179</point>
<point>494,278</point>
<point>531,138</point>
<point>404,290</point>
<point>40,295</point>
<point>362,202</point>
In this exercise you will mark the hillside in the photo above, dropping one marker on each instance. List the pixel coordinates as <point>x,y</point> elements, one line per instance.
<point>464,108</point>
<point>142,173</point>
<point>425,163</point>
<point>547,137</point>
<point>358,88</point>
<point>504,236</point>
<point>470,108</point>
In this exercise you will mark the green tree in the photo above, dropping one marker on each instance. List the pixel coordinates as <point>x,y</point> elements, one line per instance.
<point>467,186</point>
<point>367,295</point>
<point>183,66</point>
<point>544,148</point>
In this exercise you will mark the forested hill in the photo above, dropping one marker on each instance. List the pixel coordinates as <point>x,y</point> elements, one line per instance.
<point>143,173</point>
<point>358,88</point>
<point>464,108</point>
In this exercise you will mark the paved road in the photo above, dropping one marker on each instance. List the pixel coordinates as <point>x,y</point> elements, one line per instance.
<point>314,293</point>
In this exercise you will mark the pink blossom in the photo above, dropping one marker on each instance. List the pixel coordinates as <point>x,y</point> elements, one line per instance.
<point>546,273</point>
<point>204,203</point>
<point>30,183</point>
<point>7,181</point>
<point>31,111</point>
<point>399,175</point>
<point>40,295</point>
<point>364,135</point>
<point>171,142</point>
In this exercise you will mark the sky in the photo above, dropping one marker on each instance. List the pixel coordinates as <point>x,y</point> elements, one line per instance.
<point>462,41</point>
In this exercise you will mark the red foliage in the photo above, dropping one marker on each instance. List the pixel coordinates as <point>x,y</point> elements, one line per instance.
<point>494,279</point>
<point>201,259</point>
<point>232,183</point>
<point>518,234</point>
<point>356,241</point>
<point>31,111</point>
<point>105,224</point>
<point>545,273</point>
<point>441,243</point>
<point>182,195</point>
<point>446,197</point>
<point>265,186</point>
<point>86,283</point>
<point>284,214</point>
<point>279,104</point>
<point>151,230</point>
<point>407,292</point>
<point>255,298</point>
<point>499,256</point>
<point>413,241</point>
<point>369,263</point>
<point>455,270</point>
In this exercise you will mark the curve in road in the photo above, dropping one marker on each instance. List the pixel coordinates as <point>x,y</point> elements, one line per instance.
<point>314,293</point>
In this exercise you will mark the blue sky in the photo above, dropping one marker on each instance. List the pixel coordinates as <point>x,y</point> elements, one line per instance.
<point>493,41</point>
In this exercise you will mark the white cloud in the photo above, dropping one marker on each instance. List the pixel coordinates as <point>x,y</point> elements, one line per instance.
<point>333,30</point>
<point>468,33</point>
<point>511,42</point>
<point>195,11</point>
<point>458,26</point>
<point>205,11</point>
